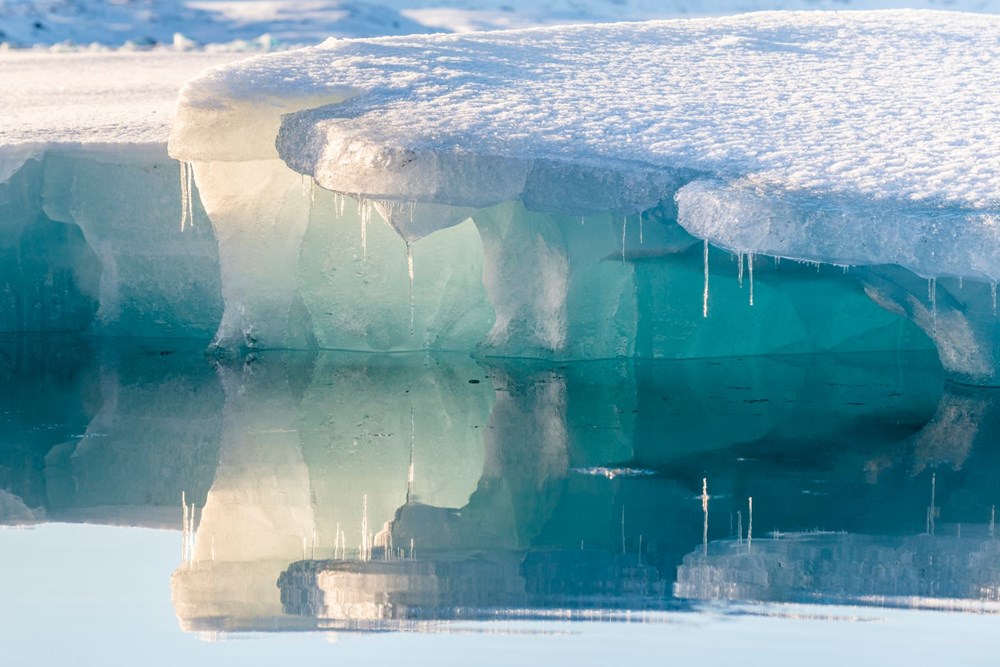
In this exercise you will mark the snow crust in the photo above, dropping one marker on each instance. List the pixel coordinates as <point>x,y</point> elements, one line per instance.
<point>882,109</point>
<point>123,98</point>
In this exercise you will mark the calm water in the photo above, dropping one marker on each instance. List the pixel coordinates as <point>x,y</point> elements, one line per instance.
<point>437,509</point>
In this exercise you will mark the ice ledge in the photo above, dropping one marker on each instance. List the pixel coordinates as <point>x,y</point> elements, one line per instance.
<point>856,138</point>
<point>867,106</point>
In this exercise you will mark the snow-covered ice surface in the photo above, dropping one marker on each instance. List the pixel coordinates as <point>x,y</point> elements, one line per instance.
<point>302,22</point>
<point>840,118</point>
<point>118,97</point>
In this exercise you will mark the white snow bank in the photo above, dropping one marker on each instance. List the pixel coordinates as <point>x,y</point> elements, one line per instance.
<point>882,110</point>
<point>92,98</point>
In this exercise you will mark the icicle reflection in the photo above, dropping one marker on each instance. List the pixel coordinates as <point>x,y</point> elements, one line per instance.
<point>370,491</point>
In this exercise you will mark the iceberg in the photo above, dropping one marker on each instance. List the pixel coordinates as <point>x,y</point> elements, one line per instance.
<point>769,183</point>
<point>626,182</point>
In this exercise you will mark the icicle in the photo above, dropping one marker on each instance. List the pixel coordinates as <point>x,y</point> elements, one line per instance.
<point>411,548</point>
<point>191,535</point>
<point>190,193</point>
<point>932,296</point>
<point>993,520</point>
<point>365,212</point>
<point>739,274</point>
<point>312,190</point>
<point>409,270</point>
<point>305,185</point>
<point>582,220</point>
<point>184,527</point>
<point>993,293</point>
<point>187,184</point>
<point>960,282</point>
<point>704,511</point>
<point>704,296</point>
<point>410,475</point>
<point>739,528</point>
<point>364,552</point>
<point>750,271</point>
<point>777,261</point>
<point>750,523</point>
<point>624,230</point>
<point>640,228</point>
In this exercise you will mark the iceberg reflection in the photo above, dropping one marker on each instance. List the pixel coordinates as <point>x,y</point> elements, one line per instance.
<point>368,491</point>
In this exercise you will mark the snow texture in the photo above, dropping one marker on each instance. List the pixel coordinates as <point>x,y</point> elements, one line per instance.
<point>121,98</point>
<point>856,137</point>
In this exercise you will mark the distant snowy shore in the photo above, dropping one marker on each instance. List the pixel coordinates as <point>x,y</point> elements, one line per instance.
<point>257,25</point>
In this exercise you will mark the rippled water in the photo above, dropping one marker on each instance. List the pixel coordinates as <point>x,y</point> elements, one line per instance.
<point>438,509</point>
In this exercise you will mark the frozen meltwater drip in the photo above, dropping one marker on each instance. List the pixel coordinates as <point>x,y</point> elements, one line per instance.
<point>993,520</point>
<point>364,549</point>
<point>739,271</point>
<point>704,296</point>
<point>750,272</point>
<point>640,228</point>
<point>993,293</point>
<point>739,528</point>
<point>187,531</point>
<point>409,271</point>
<point>187,185</point>
<point>704,512</point>
<point>365,213</point>
<point>309,187</point>
<point>749,522</point>
<point>183,174</point>
<point>184,528</point>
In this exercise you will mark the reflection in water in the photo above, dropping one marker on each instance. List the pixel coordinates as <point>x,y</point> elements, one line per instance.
<point>381,491</point>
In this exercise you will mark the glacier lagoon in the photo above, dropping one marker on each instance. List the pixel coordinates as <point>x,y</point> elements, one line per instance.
<point>706,370</point>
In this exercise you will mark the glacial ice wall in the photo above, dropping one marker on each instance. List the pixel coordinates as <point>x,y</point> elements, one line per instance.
<point>629,184</point>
